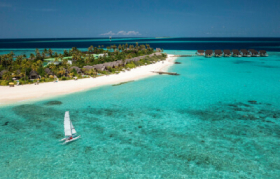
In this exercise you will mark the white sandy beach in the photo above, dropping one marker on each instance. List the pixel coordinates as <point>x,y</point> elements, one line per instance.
<point>15,94</point>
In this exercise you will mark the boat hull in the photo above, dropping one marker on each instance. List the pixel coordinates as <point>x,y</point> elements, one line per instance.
<point>67,141</point>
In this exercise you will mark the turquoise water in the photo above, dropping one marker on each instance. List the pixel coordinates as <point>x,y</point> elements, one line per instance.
<point>196,125</point>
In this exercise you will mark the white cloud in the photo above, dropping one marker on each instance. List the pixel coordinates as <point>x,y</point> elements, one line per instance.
<point>108,33</point>
<point>128,33</point>
<point>120,33</point>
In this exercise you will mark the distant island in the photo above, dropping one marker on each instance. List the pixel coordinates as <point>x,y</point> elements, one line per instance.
<point>50,66</point>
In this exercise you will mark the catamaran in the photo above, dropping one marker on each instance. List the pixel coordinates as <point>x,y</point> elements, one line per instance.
<point>69,130</point>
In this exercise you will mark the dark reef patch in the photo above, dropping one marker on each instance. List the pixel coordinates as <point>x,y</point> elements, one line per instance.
<point>39,117</point>
<point>51,103</point>
<point>242,62</point>
<point>268,66</point>
<point>6,123</point>
<point>235,111</point>
<point>122,83</point>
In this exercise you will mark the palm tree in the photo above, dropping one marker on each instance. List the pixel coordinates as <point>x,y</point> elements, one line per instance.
<point>12,53</point>
<point>50,52</point>
<point>25,64</point>
<point>90,48</point>
<point>61,71</point>
<point>95,50</point>
<point>37,52</point>
<point>64,62</point>
<point>32,56</point>
<point>34,66</point>
<point>7,75</point>
<point>18,59</point>
<point>60,56</point>
<point>43,55</point>
<point>39,63</point>
<point>87,59</point>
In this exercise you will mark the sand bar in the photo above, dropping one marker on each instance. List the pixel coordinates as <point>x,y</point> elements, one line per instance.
<point>9,95</point>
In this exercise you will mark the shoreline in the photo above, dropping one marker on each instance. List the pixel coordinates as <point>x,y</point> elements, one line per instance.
<point>17,94</point>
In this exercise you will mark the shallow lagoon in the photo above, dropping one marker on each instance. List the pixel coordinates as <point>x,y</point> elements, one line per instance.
<point>196,125</point>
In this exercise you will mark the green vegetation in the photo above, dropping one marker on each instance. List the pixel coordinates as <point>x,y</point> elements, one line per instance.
<point>47,66</point>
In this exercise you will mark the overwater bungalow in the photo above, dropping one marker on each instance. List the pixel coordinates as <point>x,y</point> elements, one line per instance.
<point>227,53</point>
<point>33,75</point>
<point>236,53</point>
<point>245,53</point>
<point>263,53</point>
<point>208,53</point>
<point>218,53</point>
<point>254,53</point>
<point>200,53</point>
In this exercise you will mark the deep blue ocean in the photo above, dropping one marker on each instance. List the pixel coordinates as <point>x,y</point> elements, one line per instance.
<point>220,118</point>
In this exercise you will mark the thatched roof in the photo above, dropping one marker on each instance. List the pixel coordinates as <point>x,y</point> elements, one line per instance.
<point>88,67</point>
<point>262,51</point>
<point>235,52</point>
<point>76,68</point>
<point>158,49</point>
<point>244,51</point>
<point>33,75</point>
<point>99,67</point>
<point>200,51</point>
<point>48,71</point>
<point>218,52</point>
<point>209,52</point>
<point>108,64</point>
<point>227,52</point>
<point>2,73</point>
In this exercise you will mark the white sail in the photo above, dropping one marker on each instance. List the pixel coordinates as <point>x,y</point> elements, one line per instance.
<point>67,124</point>
<point>73,129</point>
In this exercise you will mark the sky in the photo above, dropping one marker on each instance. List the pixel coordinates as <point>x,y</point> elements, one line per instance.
<point>139,18</point>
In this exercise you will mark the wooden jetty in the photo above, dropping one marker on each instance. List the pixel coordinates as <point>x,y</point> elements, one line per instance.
<point>165,73</point>
<point>184,55</point>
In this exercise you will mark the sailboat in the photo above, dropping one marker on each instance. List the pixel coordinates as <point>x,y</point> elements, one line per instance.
<point>69,130</point>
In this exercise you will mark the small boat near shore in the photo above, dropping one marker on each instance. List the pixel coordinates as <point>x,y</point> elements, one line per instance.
<point>69,130</point>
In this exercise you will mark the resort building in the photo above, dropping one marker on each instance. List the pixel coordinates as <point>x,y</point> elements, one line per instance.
<point>99,67</point>
<point>218,53</point>
<point>263,53</point>
<point>200,53</point>
<point>33,75</point>
<point>236,53</point>
<point>208,53</point>
<point>2,73</point>
<point>78,70</point>
<point>227,53</point>
<point>48,71</point>
<point>245,53</point>
<point>158,50</point>
<point>254,53</point>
